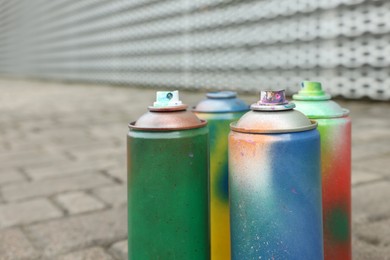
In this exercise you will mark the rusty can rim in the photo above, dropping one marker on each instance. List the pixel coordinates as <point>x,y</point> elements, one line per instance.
<point>312,126</point>
<point>168,129</point>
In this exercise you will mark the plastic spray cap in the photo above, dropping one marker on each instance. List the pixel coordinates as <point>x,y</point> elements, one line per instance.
<point>272,100</point>
<point>311,90</point>
<point>273,113</point>
<point>221,95</point>
<point>221,102</point>
<point>168,113</point>
<point>167,99</point>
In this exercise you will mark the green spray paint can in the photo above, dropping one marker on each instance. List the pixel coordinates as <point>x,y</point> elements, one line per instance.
<point>168,161</point>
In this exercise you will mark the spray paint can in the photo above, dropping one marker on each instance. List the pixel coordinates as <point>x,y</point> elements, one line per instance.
<point>220,109</point>
<point>334,126</point>
<point>168,161</point>
<point>275,182</point>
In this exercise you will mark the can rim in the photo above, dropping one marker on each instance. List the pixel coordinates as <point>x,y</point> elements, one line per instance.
<point>221,94</point>
<point>218,112</point>
<point>272,107</point>
<point>132,126</point>
<point>233,127</point>
<point>168,108</point>
<point>345,113</point>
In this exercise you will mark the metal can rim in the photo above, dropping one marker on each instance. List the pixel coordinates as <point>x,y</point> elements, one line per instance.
<point>132,126</point>
<point>312,126</point>
<point>341,115</point>
<point>218,112</point>
<point>168,108</point>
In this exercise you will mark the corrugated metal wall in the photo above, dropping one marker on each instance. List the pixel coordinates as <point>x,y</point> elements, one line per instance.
<point>202,43</point>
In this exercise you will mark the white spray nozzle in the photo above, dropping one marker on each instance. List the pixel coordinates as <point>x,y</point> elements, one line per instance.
<point>167,99</point>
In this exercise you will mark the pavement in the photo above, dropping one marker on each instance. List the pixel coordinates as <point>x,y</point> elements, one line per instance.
<point>63,170</point>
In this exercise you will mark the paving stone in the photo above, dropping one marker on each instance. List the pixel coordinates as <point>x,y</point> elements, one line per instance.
<point>371,122</point>
<point>370,150</point>
<point>95,253</point>
<point>375,233</point>
<point>118,172</point>
<point>20,159</point>
<point>81,145</point>
<point>120,250</point>
<point>4,147</point>
<point>54,186</point>
<point>114,130</point>
<point>72,132</point>
<point>78,202</point>
<point>103,154</point>
<point>109,147</point>
<point>14,245</point>
<point>365,251</point>
<point>17,146</point>
<point>77,232</point>
<point>11,176</point>
<point>380,164</point>
<point>370,134</point>
<point>27,212</point>
<point>371,201</point>
<point>113,195</point>
<point>72,168</point>
<point>361,176</point>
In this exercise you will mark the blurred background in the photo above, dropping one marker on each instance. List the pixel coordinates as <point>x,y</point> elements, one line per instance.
<point>243,45</point>
<point>74,73</point>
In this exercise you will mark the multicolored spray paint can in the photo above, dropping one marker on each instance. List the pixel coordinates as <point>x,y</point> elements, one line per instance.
<point>335,130</point>
<point>220,109</point>
<point>168,164</point>
<point>275,183</point>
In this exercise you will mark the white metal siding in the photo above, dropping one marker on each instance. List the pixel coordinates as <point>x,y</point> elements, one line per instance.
<point>246,45</point>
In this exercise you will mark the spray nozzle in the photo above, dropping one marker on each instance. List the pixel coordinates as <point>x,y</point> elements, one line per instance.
<point>311,90</point>
<point>167,99</point>
<point>272,100</point>
<point>270,97</point>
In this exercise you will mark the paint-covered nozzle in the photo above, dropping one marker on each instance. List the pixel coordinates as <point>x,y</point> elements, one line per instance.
<point>311,90</point>
<point>272,100</point>
<point>167,99</point>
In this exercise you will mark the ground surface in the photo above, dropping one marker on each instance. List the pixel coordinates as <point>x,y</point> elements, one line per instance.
<point>63,173</point>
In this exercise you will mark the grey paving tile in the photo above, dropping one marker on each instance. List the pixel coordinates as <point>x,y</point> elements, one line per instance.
<point>118,172</point>
<point>120,250</point>
<point>371,201</point>
<point>54,186</point>
<point>15,245</point>
<point>380,165</point>
<point>366,251</point>
<point>59,170</point>
<point>27,212</point>
<point>78,232</point>
<point>375,233</point>
<point>95,253</point>
<point>370,150</point>
<point>11,176</point>
<point>78,202</point>
<point>362,176</point>
<point>113,195</point>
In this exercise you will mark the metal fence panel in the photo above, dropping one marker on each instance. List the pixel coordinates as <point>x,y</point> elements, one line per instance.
<point>213,44</point>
